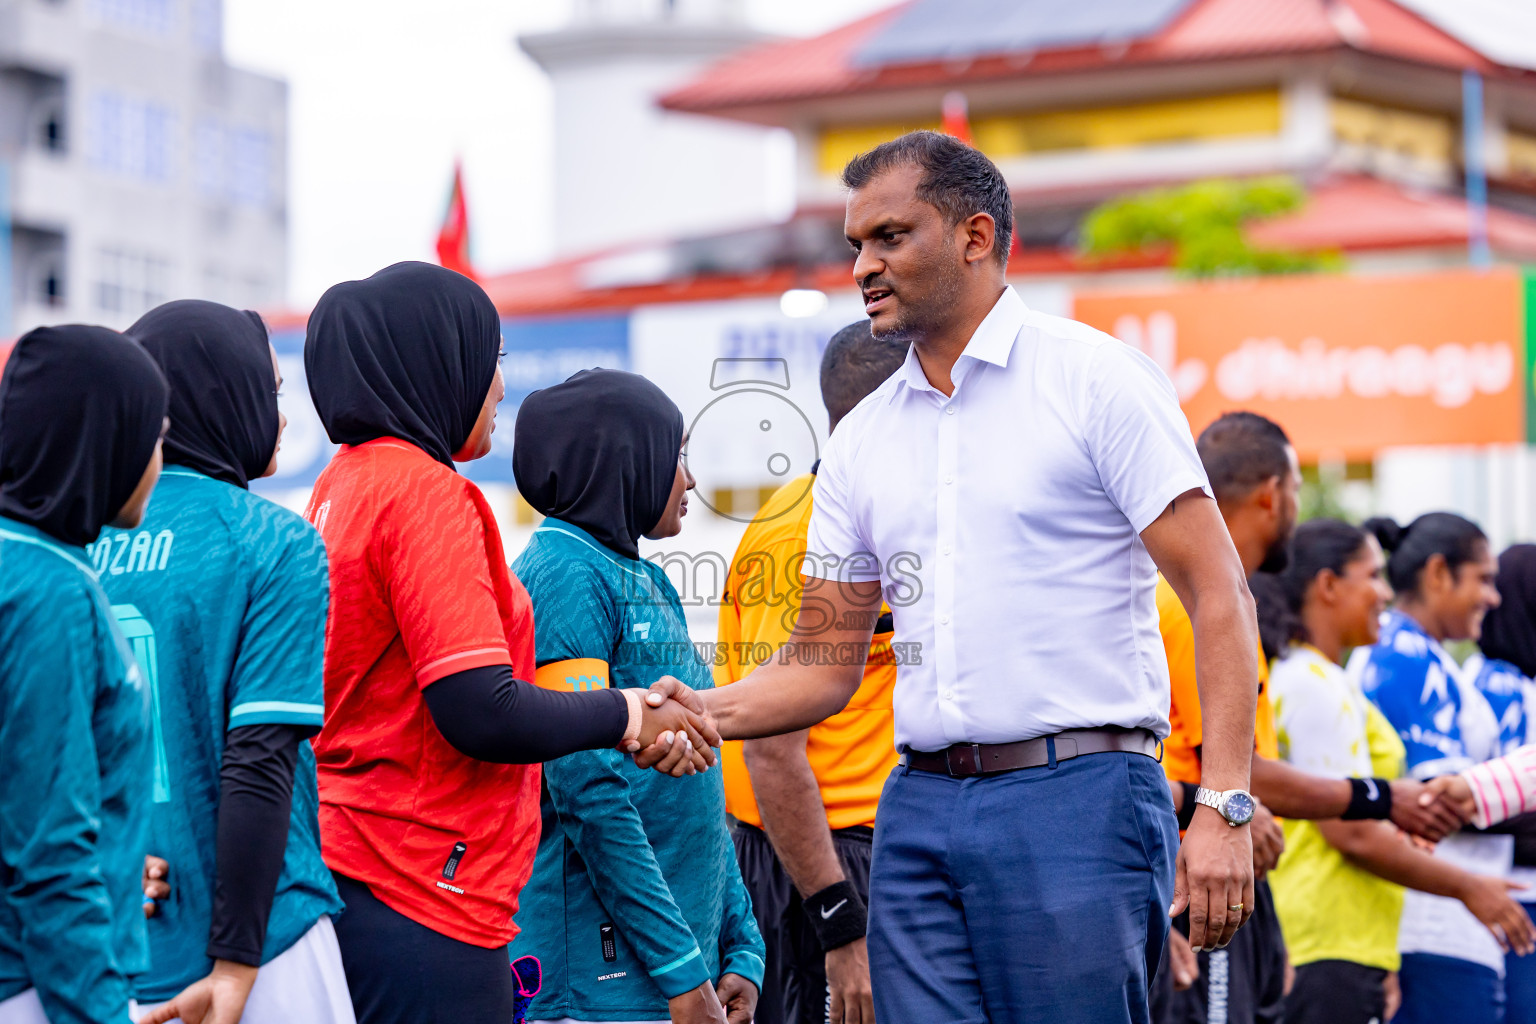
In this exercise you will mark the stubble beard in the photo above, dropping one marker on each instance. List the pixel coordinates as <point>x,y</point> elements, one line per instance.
<point>930,316</point>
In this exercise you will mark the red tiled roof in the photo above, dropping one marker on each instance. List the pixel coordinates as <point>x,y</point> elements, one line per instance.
<point>1367,213</point>
<point>1352,214</point>
<point>825,65</point>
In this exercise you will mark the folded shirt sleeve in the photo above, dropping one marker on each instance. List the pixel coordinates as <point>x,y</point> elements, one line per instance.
<point>1503,787</point>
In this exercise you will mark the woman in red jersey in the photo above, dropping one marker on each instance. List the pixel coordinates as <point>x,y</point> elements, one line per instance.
<point>429,785</point>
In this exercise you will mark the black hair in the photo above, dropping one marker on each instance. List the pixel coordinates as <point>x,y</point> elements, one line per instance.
<point>957,180</point>
<point>1241,450</point>
<point>1318,544</point>
<point>1509,631</point>
<point>854,364</point>
<point>1410,548</point>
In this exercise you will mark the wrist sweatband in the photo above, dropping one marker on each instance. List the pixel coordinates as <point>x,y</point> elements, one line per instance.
<point>837,914</point>
<point>1368,799</point>
<point>1187,807</point>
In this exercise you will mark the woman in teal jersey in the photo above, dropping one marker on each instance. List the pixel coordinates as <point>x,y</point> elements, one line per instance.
<point>636,907</point>
<point>82,410</point>
<point>223,596</point>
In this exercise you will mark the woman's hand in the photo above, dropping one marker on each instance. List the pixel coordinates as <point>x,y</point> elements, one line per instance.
<point>1488,899</point>
<point>156,887</point>
<point>1182,961</point>
<point>218,998</point>
<point>739,997</point>
<point>1455,790</point>
<point>696,1006</point>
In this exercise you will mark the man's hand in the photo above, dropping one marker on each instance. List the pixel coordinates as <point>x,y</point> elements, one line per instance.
<point>853,1000</point>
<point>1488,899</point>
<point>1453,790</point>
<point>688,697</point>
<point>677,737</point>
<point>665,750</point>
<point>1182,961</point>
<point>218,998</point>
<point>1268,841</point>
<point>739,997</point>
<point>1392,996</point>
<point>1431,819</point>
<point>698,1006</point>
<point>1213,875</point>
<point>156,888</point>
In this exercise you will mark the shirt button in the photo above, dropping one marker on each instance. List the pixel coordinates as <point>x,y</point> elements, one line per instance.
<point>949,410</point>
<point>945,549</point>
<point>943,620</point>
<point>949,479</point>
<point>949,694</point>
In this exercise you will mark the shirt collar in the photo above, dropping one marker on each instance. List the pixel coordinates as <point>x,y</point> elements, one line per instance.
<point>992,342</point>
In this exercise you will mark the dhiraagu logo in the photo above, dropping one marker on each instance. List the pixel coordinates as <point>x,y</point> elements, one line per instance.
<point>141,638</point>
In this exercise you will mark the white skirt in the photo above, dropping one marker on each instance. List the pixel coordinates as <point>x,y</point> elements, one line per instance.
<point>305,984</point>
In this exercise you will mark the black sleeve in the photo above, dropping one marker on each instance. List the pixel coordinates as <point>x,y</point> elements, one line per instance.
<point>255,798</point>
<point>490,716</point>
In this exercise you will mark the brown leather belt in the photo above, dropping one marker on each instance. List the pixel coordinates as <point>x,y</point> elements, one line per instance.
<point>966,759</point>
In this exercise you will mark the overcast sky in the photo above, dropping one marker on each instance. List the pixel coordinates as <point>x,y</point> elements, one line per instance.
<point>385,93</point>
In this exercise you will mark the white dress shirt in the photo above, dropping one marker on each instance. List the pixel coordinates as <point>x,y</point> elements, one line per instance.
<point>1004,524</point>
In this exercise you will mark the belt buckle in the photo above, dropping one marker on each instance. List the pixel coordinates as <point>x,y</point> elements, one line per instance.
<point>963,759</point>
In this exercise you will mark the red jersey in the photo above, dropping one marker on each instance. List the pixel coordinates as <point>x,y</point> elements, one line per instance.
<point>420,590</point>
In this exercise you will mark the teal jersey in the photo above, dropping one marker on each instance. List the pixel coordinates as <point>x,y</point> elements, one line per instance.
<point>74,786</point>
<point>223,597</point>
<point>635,895</point>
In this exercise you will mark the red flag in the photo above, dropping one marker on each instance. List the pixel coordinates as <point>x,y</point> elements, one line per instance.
<point>453,236</point>
<point>957,117</point>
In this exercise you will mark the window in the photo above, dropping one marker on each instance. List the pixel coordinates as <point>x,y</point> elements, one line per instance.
<point>130,283</point>
<point>208,25</point>
<point>233,164</point>
<point>132,137</point>
<point>148,17</point>
<point>48,124</point>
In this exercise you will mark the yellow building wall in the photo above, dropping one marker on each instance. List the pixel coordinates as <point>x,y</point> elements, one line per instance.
<point>1125,125</point>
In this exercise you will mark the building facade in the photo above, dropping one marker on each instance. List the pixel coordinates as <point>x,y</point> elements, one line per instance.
<point>136,165</point>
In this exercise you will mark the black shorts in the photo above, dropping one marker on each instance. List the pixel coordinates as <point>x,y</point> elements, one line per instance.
<point>402,972</point>
<point>1337,992</point>
<point>1242,984</point>
<point>795,979</point>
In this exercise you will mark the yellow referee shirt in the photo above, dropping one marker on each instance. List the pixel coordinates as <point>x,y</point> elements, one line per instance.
<point>852,752</point>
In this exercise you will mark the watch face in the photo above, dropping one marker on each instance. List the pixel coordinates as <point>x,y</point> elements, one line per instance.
<point>1239,808</point>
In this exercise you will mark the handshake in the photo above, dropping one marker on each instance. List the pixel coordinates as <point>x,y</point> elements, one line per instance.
<point>676,734</point>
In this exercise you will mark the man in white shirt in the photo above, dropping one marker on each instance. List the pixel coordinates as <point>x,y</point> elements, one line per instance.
<point>1011,492</point>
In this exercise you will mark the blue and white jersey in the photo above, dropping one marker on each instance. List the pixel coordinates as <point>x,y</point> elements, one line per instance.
<point>1445,724</point>
<point>222,596</point>
<point>1509,694</point>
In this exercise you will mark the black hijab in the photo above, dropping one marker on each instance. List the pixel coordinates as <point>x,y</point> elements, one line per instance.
<point>599,451</point>
<point>223,390</point>
<point>80,411</point>
<point>1509,631</point>
<point>409,352</point>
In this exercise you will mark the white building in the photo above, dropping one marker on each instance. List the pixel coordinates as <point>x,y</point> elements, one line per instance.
<point>625,169</point>
<point>137,164</point>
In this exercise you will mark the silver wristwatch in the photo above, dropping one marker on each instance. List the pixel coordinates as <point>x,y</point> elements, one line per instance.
<point>1235,805</point>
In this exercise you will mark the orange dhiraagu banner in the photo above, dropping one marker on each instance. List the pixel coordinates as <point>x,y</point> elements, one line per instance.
<point>1347,365</point>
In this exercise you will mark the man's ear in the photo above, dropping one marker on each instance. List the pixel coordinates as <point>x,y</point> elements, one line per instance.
<point>1267,494</point>
<point>980,234</point>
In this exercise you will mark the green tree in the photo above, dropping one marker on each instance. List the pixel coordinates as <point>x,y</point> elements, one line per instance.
<point>1203,225</point>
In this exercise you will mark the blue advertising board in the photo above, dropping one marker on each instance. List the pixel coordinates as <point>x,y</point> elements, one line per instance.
<point>539,352</point>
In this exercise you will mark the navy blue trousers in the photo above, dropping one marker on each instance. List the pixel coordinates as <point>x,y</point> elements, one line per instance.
<point>1039,895</point>
<point>1443,990</point>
